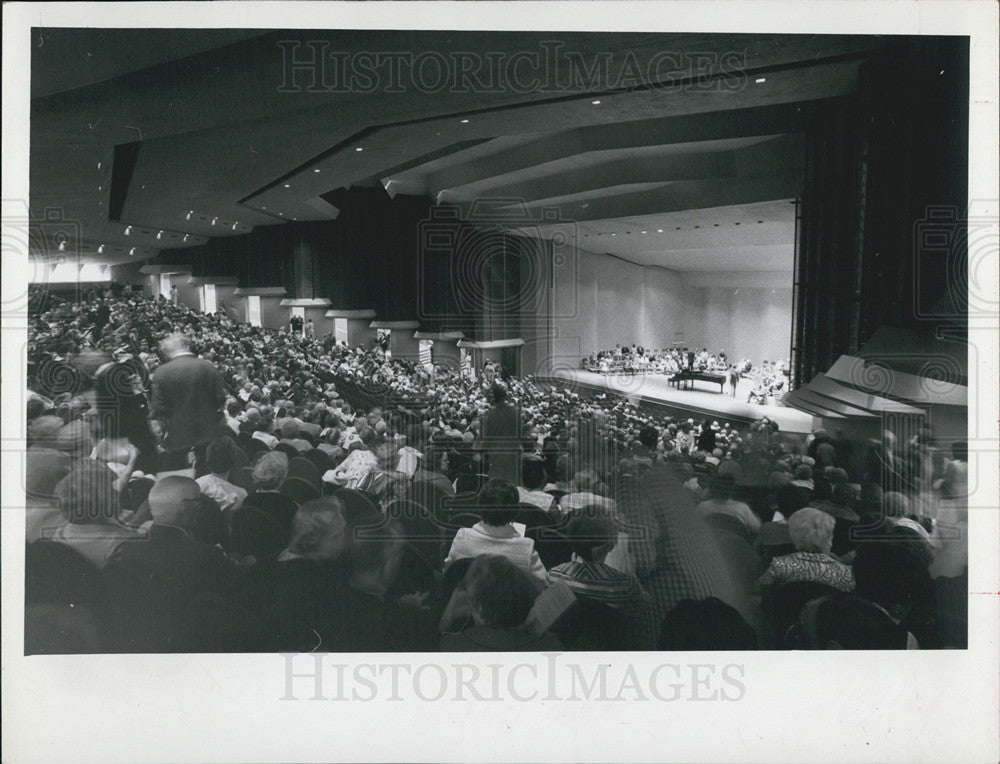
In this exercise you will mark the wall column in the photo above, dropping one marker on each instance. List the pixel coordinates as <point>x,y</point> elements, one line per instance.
<point>402,343</point>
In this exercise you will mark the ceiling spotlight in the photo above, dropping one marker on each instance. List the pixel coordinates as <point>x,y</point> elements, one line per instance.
<point>214,221</point>
<point>159,235</point>
<point>131,251</point>
<point>62,246</point>
<point>359,148</point>
<point>464,121</point>
<point>100,250</point>
<point>188,216</point>
<point>98,165</point>
<point>614,234</point>
<point>659,230</point>
<point>263,208</point>
<point>234,226</point>
<point>760,80</point>
<point>294,218</point>
<point>100,188</point>
<point>596,103</point>
<point>185,237</point>
<point>644,232</point>
<point>288,185</point>
<point>316,170</point>
<point>128,230</point>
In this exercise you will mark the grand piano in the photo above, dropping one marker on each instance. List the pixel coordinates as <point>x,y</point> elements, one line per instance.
<point>690,376</point>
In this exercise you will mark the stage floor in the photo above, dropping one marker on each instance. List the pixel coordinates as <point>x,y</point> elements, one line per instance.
<point>700,401</point>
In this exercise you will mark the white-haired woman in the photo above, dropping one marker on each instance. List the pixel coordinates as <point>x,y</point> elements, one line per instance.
<point>812,562</point>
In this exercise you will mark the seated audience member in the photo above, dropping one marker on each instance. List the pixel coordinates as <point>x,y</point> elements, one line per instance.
<point>533,478</point>
<point>89,503</point>
<point>846,622</point>
<point>306,583</point>
<point>270,470</point>
<point>954,484</point>
<point>290,435</point>
<point>500,597</point>
<point>44,467</point>
<point>494,534</point>
<point>233,410</point>
<point>386,606</point>
<point>720,502</point>
<point>433,468</point>
<point>355,468</point>
<point>219,459</point>
<point>176,569</point>
<point>811,531</point>
<point>593,534</point>
<point>894,578</point>
<point>708,624</point>
<point>587,490</point>
<point>562,482</point>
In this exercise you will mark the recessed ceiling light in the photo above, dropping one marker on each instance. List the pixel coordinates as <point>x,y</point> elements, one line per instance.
<point>234,226</point>
<point>359,148</point>
<point>128,230</point>
<point>596,103</point>
<point>132,251</point>
<point>185,237</point>
<point>464,121</point>
<point>263,208</point>
<point>659,230</point>
<point>214,221</point>
<point>644,231</point>
<point>760,80</point>
<point>316,170</point>
<point>159,234</point>
<point>188,216</point>
<point>100,250</point>
<point>98,165</point>
<point>614,234</point>
<point>760,221</point>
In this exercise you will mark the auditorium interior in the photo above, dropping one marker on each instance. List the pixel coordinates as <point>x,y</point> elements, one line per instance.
<point>760,237</point>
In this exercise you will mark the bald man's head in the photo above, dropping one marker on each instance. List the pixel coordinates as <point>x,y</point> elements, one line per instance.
<point>173,500</point>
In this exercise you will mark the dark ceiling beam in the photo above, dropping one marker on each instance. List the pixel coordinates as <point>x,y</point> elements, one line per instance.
<point>683,195</point>
<point>589,177</point>
<point>738,123</point>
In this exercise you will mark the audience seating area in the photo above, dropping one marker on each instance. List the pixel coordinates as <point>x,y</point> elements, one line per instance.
<point>348,503</point>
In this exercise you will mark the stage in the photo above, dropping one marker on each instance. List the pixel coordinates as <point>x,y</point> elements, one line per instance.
<point>697,402</point>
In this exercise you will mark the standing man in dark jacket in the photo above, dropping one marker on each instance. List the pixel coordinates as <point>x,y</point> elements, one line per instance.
<point>186,406</point>
<point>501,436</point>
